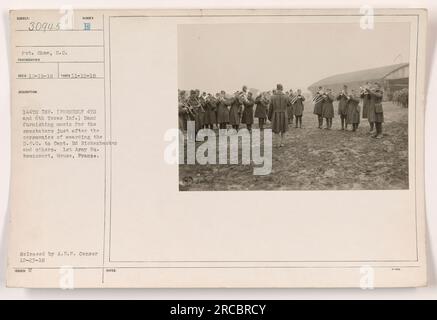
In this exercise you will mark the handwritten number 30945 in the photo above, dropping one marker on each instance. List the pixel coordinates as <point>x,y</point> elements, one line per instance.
<point>43,26</point>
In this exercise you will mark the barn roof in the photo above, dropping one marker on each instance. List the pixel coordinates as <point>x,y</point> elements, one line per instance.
<point>361,75</point>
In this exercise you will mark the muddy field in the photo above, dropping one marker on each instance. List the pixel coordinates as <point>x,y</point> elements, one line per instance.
<point>314,159</point>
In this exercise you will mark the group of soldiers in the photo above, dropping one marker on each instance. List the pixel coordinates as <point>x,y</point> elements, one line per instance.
<point>210,111</point>
<point>349,108</point>
<point>400,97</point>
<point>220,110</point>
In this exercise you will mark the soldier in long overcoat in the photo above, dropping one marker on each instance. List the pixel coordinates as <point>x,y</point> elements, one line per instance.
<point>210,112</point>
<point>182,111</point>
<point>200,112</point>
<point>222,110</point>
<point>262,104</point>
<point>375,110</point>
<point>318,103</point>
<point>290,107</point>
<point>353,111</point>
<point>366,101</point>
<point>195,105</point>
<point>235,111</point>
<point>328,108</point>
<point>278,113</point>
<point>247,117</point>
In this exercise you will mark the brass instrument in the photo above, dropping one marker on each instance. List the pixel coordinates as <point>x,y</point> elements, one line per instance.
<point>265,99</point>
<point>189,110</point>
<point>243,96</point>
<point>194,109</point>
<point>343,93</point>
<point>364,90</point>
<point>295,98</point>
<point>320,95</point>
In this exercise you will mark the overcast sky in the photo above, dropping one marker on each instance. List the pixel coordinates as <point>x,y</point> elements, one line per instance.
<point>212,57</point>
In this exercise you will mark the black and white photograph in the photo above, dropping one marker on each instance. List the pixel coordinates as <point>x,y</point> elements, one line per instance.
<point>297,158</point>
<point>334,97</point>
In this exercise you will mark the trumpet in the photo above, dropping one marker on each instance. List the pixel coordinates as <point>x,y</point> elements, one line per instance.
<point>344,93</point>
<point>373,89</point>
<point>364,90</point>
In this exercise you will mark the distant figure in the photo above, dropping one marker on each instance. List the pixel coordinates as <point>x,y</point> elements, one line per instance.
<point>279,103</point>
<point>298,107</point>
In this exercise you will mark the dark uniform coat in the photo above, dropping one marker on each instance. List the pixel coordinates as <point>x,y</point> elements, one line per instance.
<point>247,117</point>
<point>261,107</point>
<point>183,116</point>
<point>318,106</point>
<point>210,111</point>
<point>353,111</point>
<point>342,104</point>
<point>278,113</point>
<point>375,112</point>
<point>298,106</point>
<point>235,111</point>
<point>328,107</point>
<point>223,111</point>
<point>366,101</point>
<point>290,108</point>
<point>199,113</point>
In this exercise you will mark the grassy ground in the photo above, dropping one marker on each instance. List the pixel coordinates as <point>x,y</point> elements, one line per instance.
<point>314,159</point>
